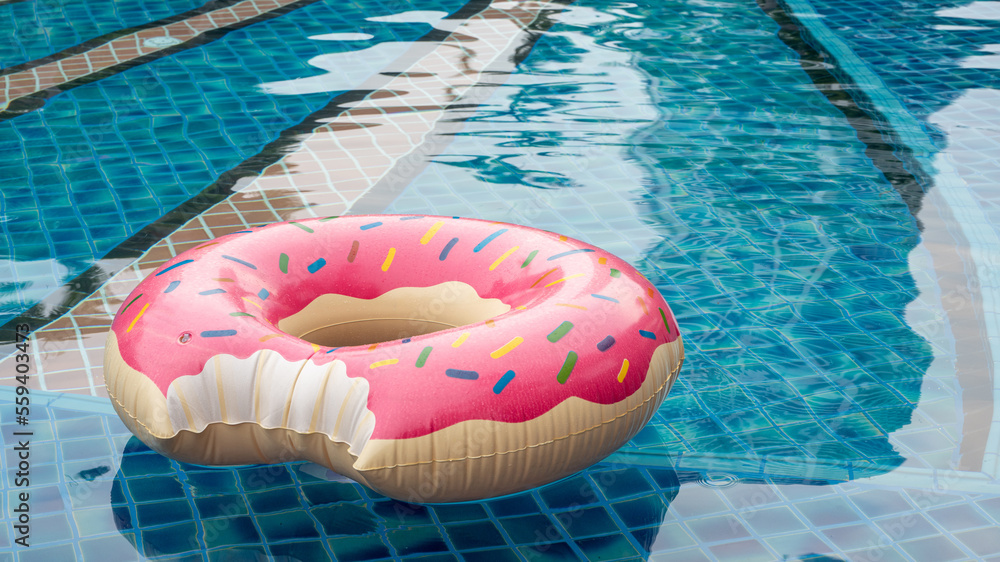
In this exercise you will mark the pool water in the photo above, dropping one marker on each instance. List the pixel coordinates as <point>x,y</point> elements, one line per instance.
<point>808,184</point>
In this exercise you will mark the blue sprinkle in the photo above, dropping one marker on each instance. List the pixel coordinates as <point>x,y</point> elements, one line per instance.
<point>488,239</point>
<point>646,334</point>
<point>447,248</point>
<point>460,374</point>
<point>332,350</point>
<point>217,333</point>
<point>604,297</point>
<point>263,294</point>
<point>370,225</point>
<point>212,292</point>
<point>502,383</point>
<point>407,340</point>
<point>241,262</point>
<point>411,218</point>
<point>604,344</point>
<point>173,285</point>
<point>569,253</point>
<point>178,264</point>
<point>241,232</point>
<point>316,265</point>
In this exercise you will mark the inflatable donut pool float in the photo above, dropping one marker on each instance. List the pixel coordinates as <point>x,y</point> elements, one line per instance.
<point>433,359</point>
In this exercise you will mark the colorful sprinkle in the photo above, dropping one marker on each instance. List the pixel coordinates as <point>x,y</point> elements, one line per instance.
<point>595,295</point>
<point>241,314</point>
<point>178,264</point>
<point>133,300</point>
<point>623,371</point>
<point>407,340</point>
<point>567,367</point>
<point>651,292</point>
<point>411,218</point>
<point>643,303</point>
<point>571,305</point>
<point>606,343</point>
<point>372,347</point>
<point>646,334</point>
<point>460,374</point>
<point>490,324</point>
<point>461,339</point>
<point>173,285</point>
<point>137,317</point>
<point>663,315</point>
<point>431,232</point>
<point>447,248</point>
<point>212,292</point>
<point>507,347</point>
<point>315,347</point>
<point>271,337</point>
<point>328,219</point>
<point>316,265</point>
<point>218,333</point>
<point>336,348</point>
<point>241,262</point>
<point>562,238</point>
<point>531,256</point>
<point>283,263</point>
<point>205,245</point>
<point>253,303</point>
<point>615,273</point>
<point>570,253</point>
<point>602,261</point>
<point>539,280</point>
<point>263,294</point>
<point>488,239</point>
<point>354,251</point>
<point>503,382</point>
<point>383,362</point>
<point>302,226</point>
<point>422,359</point>
<point>503,257</point>
<point>371,225</point>
<point>223,280</point>
<point>388,259</point>
<point>560,331</point>
<point>567,278</point>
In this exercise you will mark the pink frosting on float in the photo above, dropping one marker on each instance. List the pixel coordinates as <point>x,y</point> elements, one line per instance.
<point>227,296</point>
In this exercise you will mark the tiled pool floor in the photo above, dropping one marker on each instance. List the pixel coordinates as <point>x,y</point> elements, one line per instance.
<point>732,480</point>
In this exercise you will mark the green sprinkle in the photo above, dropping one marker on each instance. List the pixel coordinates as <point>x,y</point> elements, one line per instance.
<point>130,303</point>
<point>530,257</point>
<point>241,314</point>
<point>423,356</point>
<point>303,227</point>
<point>325,219</point>
<point>567,367</point>
<point>283,263</point>
<point>664,317</point>
<point>559,332</point>
<point>616,273</point>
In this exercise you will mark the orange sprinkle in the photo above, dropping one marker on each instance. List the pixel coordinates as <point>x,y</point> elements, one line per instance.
<point>643,303</point>
<point>271,337</point>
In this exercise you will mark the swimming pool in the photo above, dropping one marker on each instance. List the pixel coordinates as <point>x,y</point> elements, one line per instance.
<point>808,186</point>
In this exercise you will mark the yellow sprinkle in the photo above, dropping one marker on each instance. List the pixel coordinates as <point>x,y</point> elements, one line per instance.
<point>223,280</point>
<point>565,279</point>
<point>562,238</point>
<point>372,347</point>
<point>383,363</point>
<point>490,323</point>
<point>503,257</point>
<point>461,339</point>
<point>206,245</point>
<point>602,261</point>
<point>571,305</point>
<point>315,347</point>
<point>270,337</point>
<point>507,347</point>
<point>253,303</point>
<point>539,280</point>
<point>521,307</point>
<point>431,232</point>
<point>388,259</point>
<point>623,371</point>
<point>137,316</point>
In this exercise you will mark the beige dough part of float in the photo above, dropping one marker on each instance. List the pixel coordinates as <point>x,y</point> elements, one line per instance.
<point>433,359</point>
